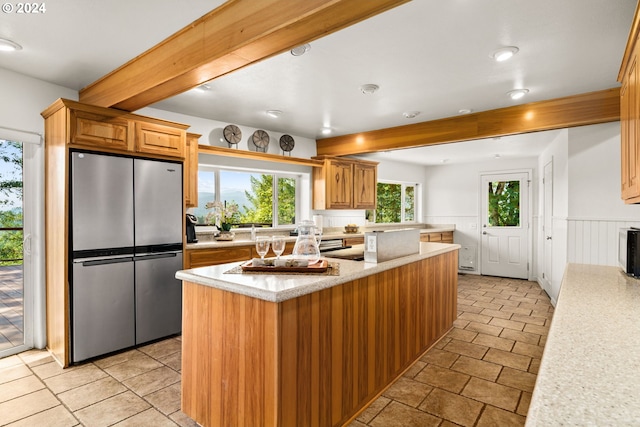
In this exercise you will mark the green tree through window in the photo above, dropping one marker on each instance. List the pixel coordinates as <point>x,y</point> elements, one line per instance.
<point>11,202</point>
<point>504,204</point>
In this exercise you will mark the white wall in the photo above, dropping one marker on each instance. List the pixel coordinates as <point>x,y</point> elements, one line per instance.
<point>23,98</point>
<point>452,196</point>
<point>595,210</point>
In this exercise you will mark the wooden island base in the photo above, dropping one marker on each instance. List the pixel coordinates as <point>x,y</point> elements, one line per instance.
<point>314,360</point>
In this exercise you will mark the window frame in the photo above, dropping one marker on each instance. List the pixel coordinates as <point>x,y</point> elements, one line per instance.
<point>276,175</point>
<point>417,207</point>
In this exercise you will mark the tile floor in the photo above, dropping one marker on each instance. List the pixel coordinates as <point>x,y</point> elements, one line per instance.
<point>480,374</point>
<point>11,307</point>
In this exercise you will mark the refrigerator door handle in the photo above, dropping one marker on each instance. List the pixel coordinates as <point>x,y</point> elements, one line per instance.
<point>143,257</point>
<point>105,261</point>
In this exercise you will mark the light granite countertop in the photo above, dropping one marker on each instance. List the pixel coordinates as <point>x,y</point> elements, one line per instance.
<point>281,287</point>
<point>590,369</point>
<point>243,237</point>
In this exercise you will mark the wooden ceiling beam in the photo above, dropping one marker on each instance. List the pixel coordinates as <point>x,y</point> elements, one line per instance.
<point>578,110</point>
<point>232,36</point>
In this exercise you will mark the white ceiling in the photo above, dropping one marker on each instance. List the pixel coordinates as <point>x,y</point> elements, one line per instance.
<point>431,56</point>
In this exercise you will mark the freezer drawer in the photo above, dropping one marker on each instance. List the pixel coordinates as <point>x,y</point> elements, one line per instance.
<point>158,296</point>
<point>103,312</point>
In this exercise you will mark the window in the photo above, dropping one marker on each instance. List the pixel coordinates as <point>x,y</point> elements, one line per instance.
<point>258,194</point>
<point>504,204</point>
<point>396,203</point>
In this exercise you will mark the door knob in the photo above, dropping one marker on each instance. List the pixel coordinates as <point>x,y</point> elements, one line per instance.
<point>548,237</point>
<point>484,232</point>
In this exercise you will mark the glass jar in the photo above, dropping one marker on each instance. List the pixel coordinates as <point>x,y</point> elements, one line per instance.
<point>306,246</point>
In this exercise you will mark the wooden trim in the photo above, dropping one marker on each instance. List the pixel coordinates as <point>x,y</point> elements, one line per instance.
<point>577,110</point>
<point>632,40</point>
<point>232,36</point>
<point>253,155</point>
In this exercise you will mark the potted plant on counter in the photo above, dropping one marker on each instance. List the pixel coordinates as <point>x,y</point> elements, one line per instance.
<point>223,215</point>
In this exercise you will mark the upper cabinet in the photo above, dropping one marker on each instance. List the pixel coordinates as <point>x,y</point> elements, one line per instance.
<point>630,119</point>
<point>115,131</point>
<point>344,183</point>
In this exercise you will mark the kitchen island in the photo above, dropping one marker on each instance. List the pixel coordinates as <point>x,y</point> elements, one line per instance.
<point>589,374</point>
<point>309,350</point>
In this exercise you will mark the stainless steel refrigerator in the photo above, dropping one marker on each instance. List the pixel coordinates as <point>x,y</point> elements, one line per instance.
<point>126,243</point>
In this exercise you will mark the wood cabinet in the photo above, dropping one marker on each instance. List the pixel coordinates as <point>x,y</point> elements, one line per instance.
<point>343,183</point>
<point>190,170</point>
<point>214,256</point>
<point>441,237</point>
<point>351,241</point>
<point>630,120</point>
<point>72,125</point>
<point>160,139</point>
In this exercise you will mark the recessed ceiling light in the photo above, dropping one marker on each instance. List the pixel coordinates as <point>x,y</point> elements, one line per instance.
<point>518,93</point>
<point>465,111</point>
<point>326,131</point>
<point>504,53</point>
<point>369,88</point>
<point>9,46</point>
<point>410,114</point>
<point>274,113</point>
<point>300,50</point>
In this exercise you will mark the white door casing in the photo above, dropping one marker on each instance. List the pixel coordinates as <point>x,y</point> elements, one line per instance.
<point>505,246</point>
<point>547,231</point>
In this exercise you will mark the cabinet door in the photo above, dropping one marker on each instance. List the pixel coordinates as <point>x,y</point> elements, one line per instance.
<point>364,186</point>
<point>339,185</point>
<point>154,138</point>
<point>191,171</point>
<point>99,131</point>
<point>629,116</point>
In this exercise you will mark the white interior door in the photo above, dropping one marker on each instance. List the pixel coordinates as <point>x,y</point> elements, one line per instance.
<point>547,227</point>
<point>505,224</point>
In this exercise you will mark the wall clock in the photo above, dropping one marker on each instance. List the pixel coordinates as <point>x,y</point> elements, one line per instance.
<point>232,134</point>
<point>260,139</point>
<point>287,143</point>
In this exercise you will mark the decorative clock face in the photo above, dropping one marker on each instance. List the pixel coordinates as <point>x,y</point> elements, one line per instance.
<point>287,143</point>
<point>260,139</point>
<point>232,134</point>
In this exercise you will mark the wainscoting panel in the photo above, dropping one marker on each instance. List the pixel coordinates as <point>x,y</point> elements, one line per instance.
<point>595,241</point>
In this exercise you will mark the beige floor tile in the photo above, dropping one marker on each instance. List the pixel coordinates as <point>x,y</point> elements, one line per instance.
<point>57,416</point>
<point>373,409</point>
<point>14,372</point>
<point>467,349</point>
<point>509,324</point>
<point>150,417</point>
<point>477,368</point>
<point>492,417</point>
<point>91,393</point>
<point>534,320</point>
<point>494,342</point>
<point>408,391</point>
<point>523,405</point>
<point>183,420</point>
<point>483,328</point>
<point>174,361</point>
<point>414,369</point>
<point>398,415</point>
<point>166,400</point>
<point>50,369</point>
<point>356,423</point>
<point>458,409</point>
<point>526,337</point>
<point>528,349</point>
<point>10,361</point>
<point>534,366</point>
<point>487,305</point>
<point>36,357</point>
<point>139,364</point>
<point>516,310</point>
<point>74,378</point>
<point>442,378</point>
<point>493,394</point>
<point>535,329</point>
<point>112,410</point>
<point>505,302</point>
<point>517,379</point>
<point>440,357</point>
<point>27,405</point>
<point>461,334</point>
<point>473,317</point>
<point>152,381</point>
<point>162,348</point>
<point>19,387</point>
<point>506,358</point>
<point>115,359</point>
<point>468,309</point>
<point>496,313</point>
